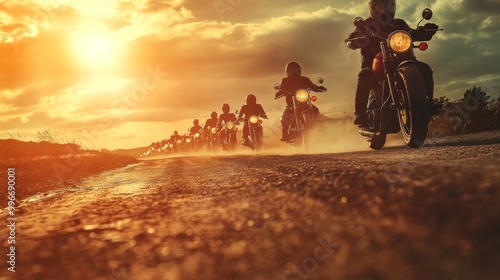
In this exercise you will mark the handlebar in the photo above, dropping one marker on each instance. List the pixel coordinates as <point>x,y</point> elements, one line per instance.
<point>284,93</point>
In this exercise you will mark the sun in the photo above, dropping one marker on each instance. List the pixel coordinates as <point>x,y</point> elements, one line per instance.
<point>96,49</point>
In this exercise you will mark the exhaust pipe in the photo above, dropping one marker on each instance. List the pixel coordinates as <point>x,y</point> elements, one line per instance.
<point>369,134</point>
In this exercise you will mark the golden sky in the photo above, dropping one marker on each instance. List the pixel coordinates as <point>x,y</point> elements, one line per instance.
<point>122,74</point>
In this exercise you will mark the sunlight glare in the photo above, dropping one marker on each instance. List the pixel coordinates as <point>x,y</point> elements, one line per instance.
<point>96,49</point>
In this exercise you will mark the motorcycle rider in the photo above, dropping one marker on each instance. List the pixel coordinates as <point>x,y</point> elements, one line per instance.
<point>175,137</point>
<point>293,82</point>
<point>250,109</point>
<point>225,117</point>
<point>211,138</point>
<point>382,22</point>
<point>195,128</point>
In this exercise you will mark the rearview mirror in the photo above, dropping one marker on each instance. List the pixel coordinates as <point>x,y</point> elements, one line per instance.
<point>237,111</point>
<point>277,86</point>
<point>321,80</point>
<point>427,14</point>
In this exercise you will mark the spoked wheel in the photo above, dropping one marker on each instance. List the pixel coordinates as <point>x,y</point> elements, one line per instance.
<point>411,105</point>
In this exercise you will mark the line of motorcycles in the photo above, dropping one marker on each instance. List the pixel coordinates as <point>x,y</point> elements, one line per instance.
<point>210,139</point>
<point>398,103</point>
<point>224,137</point>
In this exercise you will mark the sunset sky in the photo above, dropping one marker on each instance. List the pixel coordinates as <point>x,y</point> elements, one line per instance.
<point>122,74</point>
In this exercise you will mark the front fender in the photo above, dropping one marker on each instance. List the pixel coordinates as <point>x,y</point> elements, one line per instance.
<point>407,62</point>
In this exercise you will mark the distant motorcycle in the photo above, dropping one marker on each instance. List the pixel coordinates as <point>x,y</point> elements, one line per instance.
<point>186,144</point>
<point>197,141</point>
<point>211,136</point>
<point>304,113</point>
<point>398,102</point>
<point>228,142</point>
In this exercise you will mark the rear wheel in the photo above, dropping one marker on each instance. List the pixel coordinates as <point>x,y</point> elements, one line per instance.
<point>411,105</point>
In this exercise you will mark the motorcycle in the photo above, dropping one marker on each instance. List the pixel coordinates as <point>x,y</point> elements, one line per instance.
<point>228,142</point>
<point>186,145</point>
<point>255,132</point>
<point>303,111</point>
<point>398,103</point>
<point>211,137</point>
<point>196,141</point>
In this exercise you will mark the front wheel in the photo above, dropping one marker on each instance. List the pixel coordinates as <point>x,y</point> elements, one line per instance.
<point>308,122</point>
<point>378,143</point>
<point>232,141</point>
<point>411,104</point>
<point>257,137</point>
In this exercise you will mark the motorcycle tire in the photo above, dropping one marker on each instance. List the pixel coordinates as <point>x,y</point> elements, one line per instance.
<point>308,122</point>
<point>378,143</point>
<point>412,107</point>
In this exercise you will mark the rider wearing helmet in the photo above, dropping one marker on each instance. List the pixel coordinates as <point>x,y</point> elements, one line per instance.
<point>174,137</point>
<point>224,118</point>
<point>250,109</point>
<point>212,122</point>
<point>196,127</point>
<point>382,22</point>
<point>293,82</point>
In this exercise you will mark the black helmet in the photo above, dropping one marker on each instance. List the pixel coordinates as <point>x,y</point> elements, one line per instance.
<point>176,133</point>
<point>213,115</point>
<point>293,69</point>
<point>196,122</point>
<point>225,108</point>
<point>383,10</point>
<point>251,99</point>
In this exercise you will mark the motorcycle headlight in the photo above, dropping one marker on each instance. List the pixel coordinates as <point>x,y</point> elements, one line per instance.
<point>179,141</point>
<point>214,130</point>
<point>196,135</point>
<point>171,145</point>
<point>188,140</point>
<point>400,41</point>
<point>302,95</point>
<point>254,119</point>
<point>230,125</point>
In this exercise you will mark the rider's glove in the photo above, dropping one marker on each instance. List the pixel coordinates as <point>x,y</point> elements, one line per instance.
<point>431,26</point>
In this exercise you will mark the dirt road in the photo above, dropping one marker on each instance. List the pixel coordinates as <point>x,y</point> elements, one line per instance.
<point>399,213</point>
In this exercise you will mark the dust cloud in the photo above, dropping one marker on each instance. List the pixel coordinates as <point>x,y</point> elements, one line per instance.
<point>330,135</point>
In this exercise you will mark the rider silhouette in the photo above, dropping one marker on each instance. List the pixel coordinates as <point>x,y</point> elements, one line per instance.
<point>195,128</point>
<point>212,122</point>
<point>383,23</point>
<point>293,82</point>
<point>225,117</point>
<point>174,137</point>
<point>250,109</point>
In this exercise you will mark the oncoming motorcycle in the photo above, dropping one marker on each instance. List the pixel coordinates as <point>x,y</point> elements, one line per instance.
<point>399,101</point>
<point>305,113</point>
<point>228,130</point>
<point>255,131</point>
